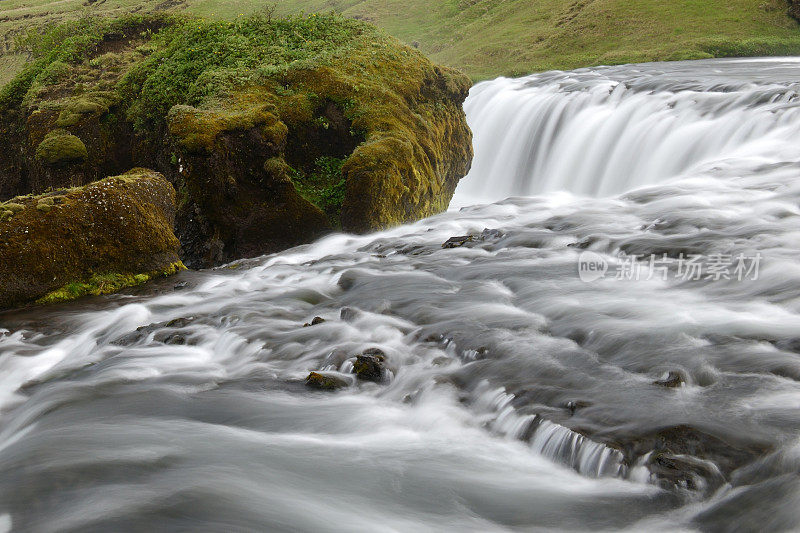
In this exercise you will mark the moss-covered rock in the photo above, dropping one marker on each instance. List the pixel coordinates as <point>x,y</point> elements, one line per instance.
<point>60,146</point>
<point>274,132</point>
<point>315,380</point>
<point>95,239</point>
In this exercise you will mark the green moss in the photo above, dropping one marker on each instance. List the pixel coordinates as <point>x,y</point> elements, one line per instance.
<point>120,225</point>
<point>197,60</point>
<point>324,186</point>
<point>197,129</point>
<point>60,146</point>
<point>13,207</point>
<point>319,381</point>
<point>6,214</point>
<point>75,109</point>
<point>109,283</point>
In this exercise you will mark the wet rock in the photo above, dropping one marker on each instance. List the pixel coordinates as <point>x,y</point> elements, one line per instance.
<point>316,380</point>
<point>491,234</point>
<point>574,405</point>
<point>673,379</point>
<point>167,337</point>
<point>688,458</point>
<point>685,471</point>
<point>456,242</point>
<point>475,354</point>
<point>181,322</point>
<point>316,320</point>
<point>370,365</point>
<point>181,285</point>
<point>176,340</point>
<point>348,314</point>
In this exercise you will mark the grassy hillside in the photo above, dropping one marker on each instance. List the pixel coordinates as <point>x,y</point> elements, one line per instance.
<point>486,38</point>
<point>490,37</point>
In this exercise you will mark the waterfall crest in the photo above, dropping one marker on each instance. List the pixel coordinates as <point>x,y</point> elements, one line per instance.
<point>603,131</point>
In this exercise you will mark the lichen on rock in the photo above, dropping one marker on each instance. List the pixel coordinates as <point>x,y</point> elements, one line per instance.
<point>95,239</point>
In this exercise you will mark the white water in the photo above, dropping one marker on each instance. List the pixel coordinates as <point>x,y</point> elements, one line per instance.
<point>520,397</point>
<point>608,130</point>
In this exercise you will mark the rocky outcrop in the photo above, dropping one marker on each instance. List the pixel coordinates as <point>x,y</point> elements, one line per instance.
<point>95,239</point>
<point>268,146</point>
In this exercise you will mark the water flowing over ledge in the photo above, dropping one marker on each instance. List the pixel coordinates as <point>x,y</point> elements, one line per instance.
<point>608,130</point>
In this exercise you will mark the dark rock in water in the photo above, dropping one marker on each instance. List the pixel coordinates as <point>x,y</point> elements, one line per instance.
<point>376,352</point>
<point>574,405</point>
<point>348,314</point>
<point>176,339</point>
<point>687,458</point>
<point>455,242</point>
<point>369,366</point>
<point>314,322</point>
<point>476,354</point>
<point>491,234</point>
<point>685,471</point>
<point>180,322</point>
<point>181,285</point>
<point>315,380</point>
<point>673,379</point>
<point>167,337</point>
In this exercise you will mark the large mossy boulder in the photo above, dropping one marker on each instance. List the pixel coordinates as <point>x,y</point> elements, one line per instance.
<point>95,239</point>
<point>274,132</point>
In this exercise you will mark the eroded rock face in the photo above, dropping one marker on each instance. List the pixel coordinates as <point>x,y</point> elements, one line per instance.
<point>362,134</point>
<point>95,239</point>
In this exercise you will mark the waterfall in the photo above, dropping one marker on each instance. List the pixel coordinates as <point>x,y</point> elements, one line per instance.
<point>603,131</point>
<point>551,440</point>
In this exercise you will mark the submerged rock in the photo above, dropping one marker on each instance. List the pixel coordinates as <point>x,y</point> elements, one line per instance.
<point>685,471</point>
<point>316,380</point>
<point>90,240</point>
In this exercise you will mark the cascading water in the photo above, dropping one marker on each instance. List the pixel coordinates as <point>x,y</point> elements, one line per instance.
<point>521,390</point>
<point>608,130</point>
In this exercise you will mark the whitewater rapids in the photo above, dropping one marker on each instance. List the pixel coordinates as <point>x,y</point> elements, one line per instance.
<point>519,395</point>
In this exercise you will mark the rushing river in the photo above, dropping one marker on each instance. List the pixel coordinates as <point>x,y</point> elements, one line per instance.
<point>615,347</point>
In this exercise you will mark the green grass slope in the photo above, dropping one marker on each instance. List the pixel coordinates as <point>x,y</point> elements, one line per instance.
<point>486,38</point>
